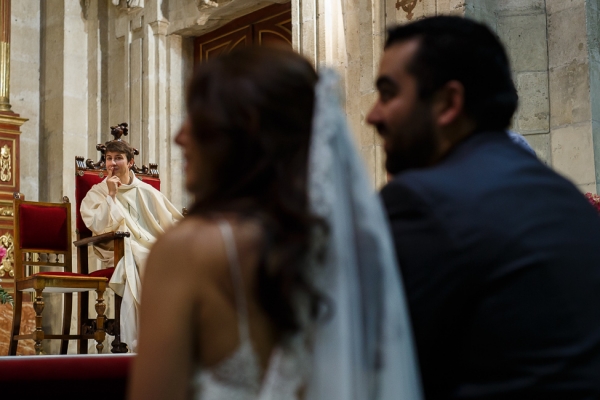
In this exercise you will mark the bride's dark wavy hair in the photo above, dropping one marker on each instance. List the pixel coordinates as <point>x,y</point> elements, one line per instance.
<point>251,114</point>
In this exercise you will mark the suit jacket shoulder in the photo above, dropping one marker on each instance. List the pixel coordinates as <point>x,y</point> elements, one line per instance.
<point>494,249</point>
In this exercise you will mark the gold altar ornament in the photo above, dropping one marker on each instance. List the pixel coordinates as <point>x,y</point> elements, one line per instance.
<point>7,212</point>
<point>7,242</point>
<point>5,169</point>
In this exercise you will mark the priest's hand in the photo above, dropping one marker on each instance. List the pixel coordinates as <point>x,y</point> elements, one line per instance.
<point>113,182</point>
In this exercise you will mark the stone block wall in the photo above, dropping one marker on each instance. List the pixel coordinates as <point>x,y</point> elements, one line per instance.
<point>25,88</point>
<point>521,25</point>
<point>570,101</point>
<point>551,45</point>
<point>349,35</point>
<point>593,44</point>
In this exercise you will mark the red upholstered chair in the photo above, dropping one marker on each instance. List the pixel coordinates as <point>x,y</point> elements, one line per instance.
<point>43,239</point>
<point>87,175</point>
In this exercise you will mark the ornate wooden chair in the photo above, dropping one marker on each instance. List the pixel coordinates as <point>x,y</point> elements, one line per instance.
<point>87,174</point>
<point>43,239</point>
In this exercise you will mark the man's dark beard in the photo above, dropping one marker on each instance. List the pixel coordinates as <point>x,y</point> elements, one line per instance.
<point>419,155</point>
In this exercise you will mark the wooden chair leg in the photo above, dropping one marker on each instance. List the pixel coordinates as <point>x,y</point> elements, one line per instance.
<point>117,345</point>
<point>83,307</point>
<point>38,334</point>
<point>66,326</point>
<point>100,334</point>
<point>16,323</point>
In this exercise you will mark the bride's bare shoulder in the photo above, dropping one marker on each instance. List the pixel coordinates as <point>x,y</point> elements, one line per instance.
<point>192,228</point>
<point>196,243</point>
<point>194,238</point>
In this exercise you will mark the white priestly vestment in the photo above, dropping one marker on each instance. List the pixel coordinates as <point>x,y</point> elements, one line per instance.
<point>145,213</point>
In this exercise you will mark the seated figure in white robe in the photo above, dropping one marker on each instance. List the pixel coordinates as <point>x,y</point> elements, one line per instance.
<point>122,202</point>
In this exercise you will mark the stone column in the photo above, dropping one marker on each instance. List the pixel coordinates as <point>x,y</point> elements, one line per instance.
<point>63,118</point>
<point>4,55</point>
<point>25,89</point>
<point>145,87</point>
<point>10,124</point>
<point>347,35</point>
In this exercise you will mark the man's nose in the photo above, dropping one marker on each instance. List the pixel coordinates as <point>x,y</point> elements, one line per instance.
<point>373,115</point>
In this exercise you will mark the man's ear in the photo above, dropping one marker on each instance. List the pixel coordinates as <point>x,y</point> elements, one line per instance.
<point>449,103</point>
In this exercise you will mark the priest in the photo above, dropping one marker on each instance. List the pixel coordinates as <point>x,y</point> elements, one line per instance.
<point>124,203</point>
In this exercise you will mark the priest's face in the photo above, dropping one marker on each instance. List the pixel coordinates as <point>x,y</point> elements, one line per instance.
<point>402,119</point>
<point>118,164</point>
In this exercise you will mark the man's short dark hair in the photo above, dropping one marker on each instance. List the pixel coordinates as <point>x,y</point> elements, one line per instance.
<point>120,146</point>
<point>455,48</point>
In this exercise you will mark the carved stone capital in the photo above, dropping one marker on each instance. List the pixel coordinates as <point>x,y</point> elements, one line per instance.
<point>204,4</point>
<point>129,5</point>
<point>85,6</point>
<point>160,27</point>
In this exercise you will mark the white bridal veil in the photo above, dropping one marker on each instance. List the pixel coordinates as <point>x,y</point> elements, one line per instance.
<point>364,350</point>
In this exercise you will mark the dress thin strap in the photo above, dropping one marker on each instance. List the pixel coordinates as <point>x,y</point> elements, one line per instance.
<point>236,276</point>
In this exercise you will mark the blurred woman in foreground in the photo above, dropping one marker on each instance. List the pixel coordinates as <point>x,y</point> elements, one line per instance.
<point>281,284</point>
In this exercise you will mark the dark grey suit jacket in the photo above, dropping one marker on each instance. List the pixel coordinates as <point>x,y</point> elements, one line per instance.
<point>501,261</point>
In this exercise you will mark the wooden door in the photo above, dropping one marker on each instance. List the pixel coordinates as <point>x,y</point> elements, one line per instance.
<point>269,26</point>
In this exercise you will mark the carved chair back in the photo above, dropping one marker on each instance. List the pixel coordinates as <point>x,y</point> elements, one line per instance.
<point>42,236</point>
<point>89,173</point>
<point>43,239</point>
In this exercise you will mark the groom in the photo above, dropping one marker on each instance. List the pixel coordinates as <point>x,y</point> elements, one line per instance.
<point>500,255</point>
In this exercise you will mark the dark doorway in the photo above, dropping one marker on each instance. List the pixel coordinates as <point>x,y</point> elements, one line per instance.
<point>269,26</point>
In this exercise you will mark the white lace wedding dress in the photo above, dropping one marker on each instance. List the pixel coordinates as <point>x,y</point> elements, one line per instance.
<point>239,376</point>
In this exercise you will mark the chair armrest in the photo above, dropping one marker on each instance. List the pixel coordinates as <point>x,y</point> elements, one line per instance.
<point>105,237</point>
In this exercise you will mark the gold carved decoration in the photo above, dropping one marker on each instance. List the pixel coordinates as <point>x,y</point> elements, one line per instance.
<point>7,212</point>
<point>408,6</point>
<point>5,169</point>
<point>7,242</point>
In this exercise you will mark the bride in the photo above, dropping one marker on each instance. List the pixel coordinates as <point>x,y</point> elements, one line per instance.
<point>281,283</point>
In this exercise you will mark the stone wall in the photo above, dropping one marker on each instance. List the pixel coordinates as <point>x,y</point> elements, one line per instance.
<point>137,60</point>
<point>349,35</point>
<point>25,88</point>
<point>593,44</point>
<point>80,66</point>
<point>570,106</point>
<point>100,64</point>
<point>553,47</point>
<point>522,27</point>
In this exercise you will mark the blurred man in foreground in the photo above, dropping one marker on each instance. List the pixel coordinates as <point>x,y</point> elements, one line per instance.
<point>500,255</point>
